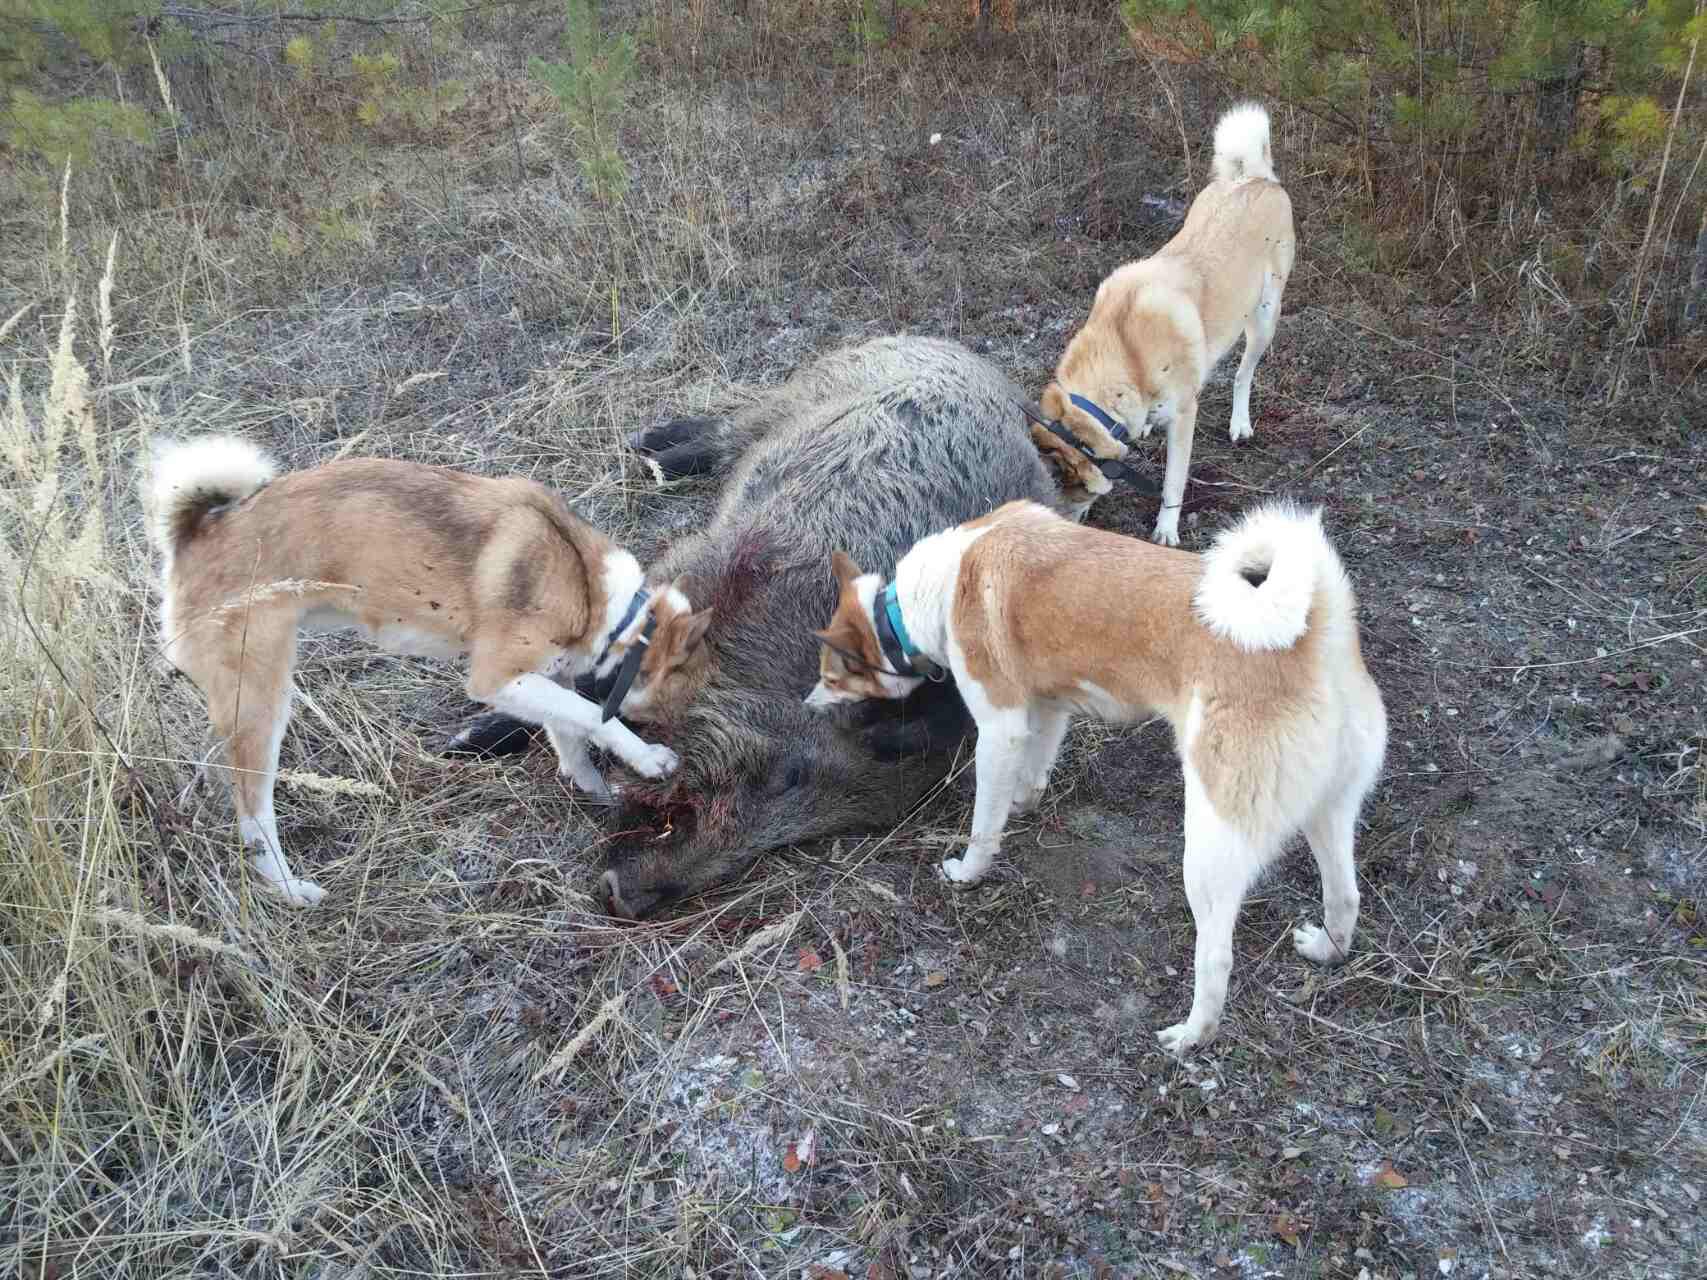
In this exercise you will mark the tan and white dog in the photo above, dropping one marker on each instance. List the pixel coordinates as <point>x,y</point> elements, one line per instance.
<point>1158,326</point>
<point>424,560</point>
<point>1249,651</point>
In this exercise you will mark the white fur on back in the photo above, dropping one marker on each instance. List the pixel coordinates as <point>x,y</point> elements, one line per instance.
<point>209,469</point>
<point>1241,144</point>
<point>1289,546</point>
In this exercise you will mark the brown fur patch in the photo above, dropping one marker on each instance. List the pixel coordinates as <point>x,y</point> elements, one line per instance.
<point>677,663</point>
<point>849,634</point>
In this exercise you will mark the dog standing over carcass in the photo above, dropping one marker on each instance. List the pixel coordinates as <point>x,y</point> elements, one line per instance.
<point>1158,326</point>
<point>1250,652</point>
<point>423,560</point>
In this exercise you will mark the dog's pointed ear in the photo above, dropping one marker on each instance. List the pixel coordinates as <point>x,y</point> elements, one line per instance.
<point>693,629</point>
<point>844,568</point>
<point>1053,402</point>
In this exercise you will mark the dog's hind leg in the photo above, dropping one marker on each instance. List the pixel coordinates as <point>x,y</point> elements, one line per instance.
<point>1259,332</point>
<point>1048,728</point>
<point>249,704</point>
<point>1220,863</point>
<point>1331,831</point>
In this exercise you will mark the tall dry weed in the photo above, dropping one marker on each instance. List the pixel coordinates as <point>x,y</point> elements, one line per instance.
<point>101,1040</point>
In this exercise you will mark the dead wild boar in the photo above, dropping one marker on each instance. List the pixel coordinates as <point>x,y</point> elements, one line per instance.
<point>867,449</point>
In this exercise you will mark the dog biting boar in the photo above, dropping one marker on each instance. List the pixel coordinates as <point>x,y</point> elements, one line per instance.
<point>867,450</point>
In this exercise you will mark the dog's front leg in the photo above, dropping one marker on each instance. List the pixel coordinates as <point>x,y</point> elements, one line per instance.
<point>1181,426</point>
<point>574,764</point>
<point>542,700</point>
<point>1003,736</point>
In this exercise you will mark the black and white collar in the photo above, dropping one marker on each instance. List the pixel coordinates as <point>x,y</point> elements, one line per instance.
<point>613,688</point>
<point>1110,467</point>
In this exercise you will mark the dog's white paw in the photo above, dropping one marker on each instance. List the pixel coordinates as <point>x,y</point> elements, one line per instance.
<point>1181,1038</point>
<point>1240,429</point>
<point>957,872</point>
<point>1315,944</point>
<point>1167,532</point>
<point>655,761</point>
<point>299,893</point>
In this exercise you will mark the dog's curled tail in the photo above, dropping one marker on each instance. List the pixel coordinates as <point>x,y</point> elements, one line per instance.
<point>1241,144</point>
<point>186,479</point>
<point>1262,577</point>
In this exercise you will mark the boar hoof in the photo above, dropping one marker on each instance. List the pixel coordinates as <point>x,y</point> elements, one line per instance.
<point>490,735</point>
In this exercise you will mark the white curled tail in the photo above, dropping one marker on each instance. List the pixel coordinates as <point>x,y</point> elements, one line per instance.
<point>1241,144</point>
<point>186,479</point>
<point>1262,576</point>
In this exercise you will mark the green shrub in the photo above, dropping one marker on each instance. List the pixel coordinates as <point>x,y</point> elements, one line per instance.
<point>1479,98</point>
<point>593,86</point>
<point>72,131</point>
<point>40,39</point>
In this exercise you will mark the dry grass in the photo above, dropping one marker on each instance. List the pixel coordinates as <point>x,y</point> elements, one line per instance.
<point>459,1066</point>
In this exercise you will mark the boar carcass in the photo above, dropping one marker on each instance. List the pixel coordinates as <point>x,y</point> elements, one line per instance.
<point>867,450</point>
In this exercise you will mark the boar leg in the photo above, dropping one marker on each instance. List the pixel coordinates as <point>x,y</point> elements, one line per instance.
<point>933,719</point>
<point>671,434</point>
<point>702,446</point>
<point>493,734</point>
<point>687,446</point>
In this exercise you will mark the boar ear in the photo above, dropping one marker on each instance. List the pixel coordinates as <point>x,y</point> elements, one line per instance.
<point>1053,402</point>
<point>845,569</point>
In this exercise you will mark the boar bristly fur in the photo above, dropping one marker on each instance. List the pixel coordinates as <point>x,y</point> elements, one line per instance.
<point>867,449</point>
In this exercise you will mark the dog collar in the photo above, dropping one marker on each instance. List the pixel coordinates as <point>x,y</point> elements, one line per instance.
<point>1096,411</point>
<point>902,655</point>
<point>612,689</point>
<point>1108,466</point>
